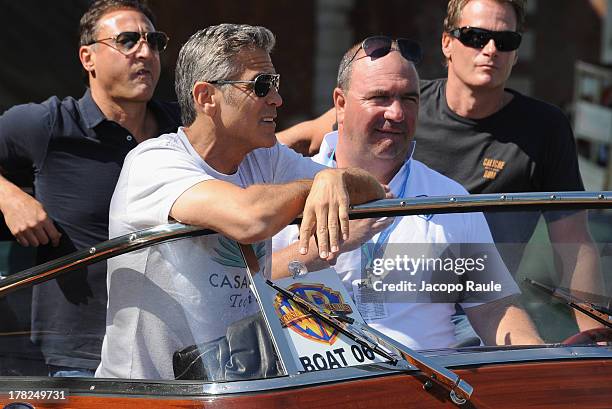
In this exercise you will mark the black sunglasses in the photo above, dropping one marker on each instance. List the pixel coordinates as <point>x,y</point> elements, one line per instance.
<point>261,84</point>
<point>379,46</point>
<point>479,37</point>
<point>127,41</point>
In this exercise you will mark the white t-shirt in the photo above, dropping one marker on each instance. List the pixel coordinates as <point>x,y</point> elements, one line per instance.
<point>418,325</point>
<point>172,295</point>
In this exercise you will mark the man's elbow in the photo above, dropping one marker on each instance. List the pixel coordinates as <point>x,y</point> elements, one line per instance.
<point>504,322</point>
<point>252,229</point>
<point>517,328</point>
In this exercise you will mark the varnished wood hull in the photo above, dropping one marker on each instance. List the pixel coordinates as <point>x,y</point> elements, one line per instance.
<point>551,384</point>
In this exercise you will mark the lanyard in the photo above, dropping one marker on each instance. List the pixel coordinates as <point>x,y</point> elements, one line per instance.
<point>384,235</point>
<point>330,162</point>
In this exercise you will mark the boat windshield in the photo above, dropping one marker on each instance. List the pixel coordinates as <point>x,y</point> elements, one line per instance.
<point>439,283</point>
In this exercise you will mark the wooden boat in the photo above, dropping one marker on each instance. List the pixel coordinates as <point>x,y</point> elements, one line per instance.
<point>566,371</point>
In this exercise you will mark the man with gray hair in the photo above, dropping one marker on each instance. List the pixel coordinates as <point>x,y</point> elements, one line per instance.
<point>223,171</point>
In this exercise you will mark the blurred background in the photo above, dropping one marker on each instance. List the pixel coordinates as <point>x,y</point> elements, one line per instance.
<point>40,41</point>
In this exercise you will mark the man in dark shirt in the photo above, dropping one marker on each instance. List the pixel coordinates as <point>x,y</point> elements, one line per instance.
<point>498,139</point>
<point>77,148</point>
<point>493,139</point>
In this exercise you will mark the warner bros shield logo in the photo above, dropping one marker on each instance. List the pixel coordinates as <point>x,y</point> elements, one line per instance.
<point>305,324</point>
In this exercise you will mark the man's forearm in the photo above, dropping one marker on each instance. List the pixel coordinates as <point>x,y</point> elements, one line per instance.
<point>8,190</point>
<point>582,273</point>
<point>502,322</point>
<point>516,328</point>
<point>282,258</point>
<point>25,217</point>
<point>275,206</point>
<point>579,259</point>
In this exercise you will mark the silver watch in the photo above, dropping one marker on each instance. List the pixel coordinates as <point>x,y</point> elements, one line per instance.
<point>297,269</point>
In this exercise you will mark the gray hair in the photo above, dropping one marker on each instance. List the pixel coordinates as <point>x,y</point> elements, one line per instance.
<point>211,54</point>
<point>345,70</point>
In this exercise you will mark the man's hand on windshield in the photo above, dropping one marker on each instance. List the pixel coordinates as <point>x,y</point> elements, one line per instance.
<point>326,213</point>
<point>363,230</point>
<point>28,221</point>
<point>326,210</point>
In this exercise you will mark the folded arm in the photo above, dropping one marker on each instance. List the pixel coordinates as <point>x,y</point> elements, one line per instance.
<point>247,214</point>
<point>258,212</point>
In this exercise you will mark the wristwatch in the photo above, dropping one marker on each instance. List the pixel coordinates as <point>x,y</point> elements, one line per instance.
<point>297,269</point>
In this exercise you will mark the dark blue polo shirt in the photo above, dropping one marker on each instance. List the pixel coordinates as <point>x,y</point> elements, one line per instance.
<point>77,156</point>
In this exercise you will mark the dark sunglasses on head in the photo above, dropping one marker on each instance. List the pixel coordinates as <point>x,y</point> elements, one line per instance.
<point>379,46</point>
<point>479,37</point>
<point>127,41</point>
<point>261,84</point>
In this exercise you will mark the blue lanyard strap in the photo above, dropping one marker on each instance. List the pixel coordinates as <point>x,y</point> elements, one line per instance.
<point>330,160</point>
<point>384,235</point>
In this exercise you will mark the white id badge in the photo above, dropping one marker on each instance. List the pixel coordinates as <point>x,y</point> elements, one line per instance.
<point>370,303</point>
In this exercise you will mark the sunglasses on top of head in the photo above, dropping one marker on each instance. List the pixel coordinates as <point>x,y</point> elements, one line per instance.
<point>479,37</point>
<point>379,46</point>
<point>127,42</point>
<point>261,84</point>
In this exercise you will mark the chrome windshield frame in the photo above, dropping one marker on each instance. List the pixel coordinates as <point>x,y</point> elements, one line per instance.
<point>387,207</point>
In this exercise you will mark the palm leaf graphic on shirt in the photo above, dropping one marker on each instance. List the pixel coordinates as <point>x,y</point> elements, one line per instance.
<point>229,252</point>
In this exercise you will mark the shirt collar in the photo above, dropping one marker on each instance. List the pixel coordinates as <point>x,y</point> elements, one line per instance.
<point>328,149</point>
<point>90,111</point>
<point>165,115</point>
